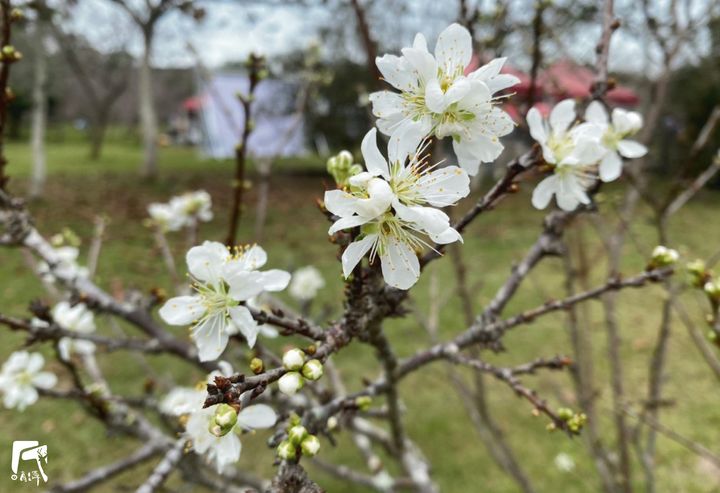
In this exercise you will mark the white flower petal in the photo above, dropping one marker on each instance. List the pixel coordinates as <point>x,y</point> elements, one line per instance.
<point>626,122</point>
<point>342,203</point>
<point>395,71</point>
<point>182,310</point>
<point>470,152</point>
<point>226,451</point>
<point>562,115</point>
<point>400,265</point>
<point>243,285</point>
<point>537,126</point>
<point>274,279</point>
<point>542,195</point>
<point>434,96</point>
<point>354,253</point>
<point>610,167</point>
<point>443,187</point>
<point>595,113</point>
<point>256,417</point>
<point>453,50</point>
<point>34,363</point>
<point>242,319</point>
<point>347,222</point>
<point>458,90</point>
<point>252,259</point>
<point>428,219</point>
<point>489,70</point>
<point>422,63</point>
<point>374,161</point>
<point>386,104</point>
<point>450,235</point>
<point>211,337</point>
<point>205,261</point>
<point>45,379</point>
<point>420,42</point>
<point>631,149</point>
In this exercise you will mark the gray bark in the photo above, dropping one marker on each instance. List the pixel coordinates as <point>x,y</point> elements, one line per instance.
<point>39,113</point>
<point>148,116</point>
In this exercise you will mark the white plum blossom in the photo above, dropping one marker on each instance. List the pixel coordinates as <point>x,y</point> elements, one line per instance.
<point>186,210</point>
<point>64,266</point>
<point>305,283</point>
<point>222,280</point>
<point>165,216</point>
<point>78,319</point>
<point>194,207</point>
<point>571,150</point>
<point>221,451</point>
<point>437,98</point>
<point>20,378</point>
<point>395,202</point>
<point>615,135</point>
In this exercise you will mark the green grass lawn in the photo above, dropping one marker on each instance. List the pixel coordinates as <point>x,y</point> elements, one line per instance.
<point>296,233</point>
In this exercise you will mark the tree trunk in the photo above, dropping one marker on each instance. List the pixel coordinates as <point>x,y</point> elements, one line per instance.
<point>39,113</point>
<point>97,135</point>
<point>148,118</point>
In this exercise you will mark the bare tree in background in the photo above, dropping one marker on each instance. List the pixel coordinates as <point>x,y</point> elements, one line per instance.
<point>146,16</point>
<point>39,98</point>
<point>104,78</point>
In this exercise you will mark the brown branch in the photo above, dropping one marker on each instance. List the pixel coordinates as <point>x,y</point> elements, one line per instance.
<point>5,94</point>
<point>256,65</point>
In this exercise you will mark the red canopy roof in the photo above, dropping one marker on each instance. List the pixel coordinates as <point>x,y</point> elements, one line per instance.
<point>561,80</point>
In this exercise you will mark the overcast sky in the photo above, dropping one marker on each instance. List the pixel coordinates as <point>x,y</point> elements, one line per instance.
<point>233,29</point>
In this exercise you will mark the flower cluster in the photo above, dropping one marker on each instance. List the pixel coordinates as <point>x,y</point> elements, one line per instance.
<point>396,204</point>
<point>223,281</point>
<point>213,432</point>
<point>437,98</point>
<point>299,369</point>
<point>183,211</point>
<point>396,201</point>
<point>580,153</point>
<point>20,378</point>
<point>298,441</point>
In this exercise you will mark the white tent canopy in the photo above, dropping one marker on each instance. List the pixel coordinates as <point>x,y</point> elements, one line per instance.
<point>278,129</point>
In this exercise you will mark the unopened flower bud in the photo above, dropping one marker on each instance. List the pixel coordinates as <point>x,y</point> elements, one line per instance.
<point>712,288</point>
<point>697,273</point>
<point>290,383</point>
<point>286,450</point>
<point>363,402</point>
<point>257,366</point>
<point>565,413</point>
<point>663,256</point>
<point>223,421</point>
<point>297,434</point>
<point>341,167</point>
<point>293,359</point>
<point>332,423</point>
<point>294,419</point>
<point>313,369</point>
<point>310,446</point>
